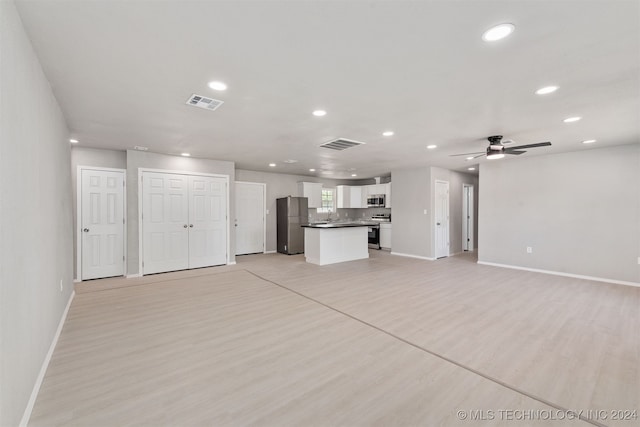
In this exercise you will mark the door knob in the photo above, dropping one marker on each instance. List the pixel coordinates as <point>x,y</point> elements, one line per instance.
<point>191,225</point>
<point>185,226</point>
<point>86,230</point>
<point>437,223</point>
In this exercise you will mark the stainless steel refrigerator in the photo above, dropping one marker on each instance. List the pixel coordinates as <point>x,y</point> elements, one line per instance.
<point>292,213</point>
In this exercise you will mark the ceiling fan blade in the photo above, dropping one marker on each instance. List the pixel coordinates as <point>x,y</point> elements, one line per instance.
<point>539,144</point>
<point>466,154</point>
<point>480,155</point>
<point>517,152</point>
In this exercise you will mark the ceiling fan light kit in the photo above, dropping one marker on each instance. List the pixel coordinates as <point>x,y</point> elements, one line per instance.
<point>497,150</point>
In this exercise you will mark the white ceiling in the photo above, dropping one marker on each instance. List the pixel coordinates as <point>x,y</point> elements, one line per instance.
<point>123,70</point>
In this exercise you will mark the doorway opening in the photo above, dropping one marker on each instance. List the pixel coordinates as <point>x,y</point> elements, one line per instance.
<point>467,217</point>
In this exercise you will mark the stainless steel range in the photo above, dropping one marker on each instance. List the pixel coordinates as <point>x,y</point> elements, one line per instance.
<point>383,217</point>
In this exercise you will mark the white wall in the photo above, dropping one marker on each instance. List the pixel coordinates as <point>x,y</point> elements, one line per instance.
<point>411,195</point>
<point>579,211</point>
<point>147,160</point>
<point>35,216</point>
<point>413,192</point>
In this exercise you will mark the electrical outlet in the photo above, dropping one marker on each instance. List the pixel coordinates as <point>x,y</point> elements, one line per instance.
<point>61,288</point>
<point>424,212</point>
<point>267,211</point>
<point>529,250</point>
<point>639,260</point>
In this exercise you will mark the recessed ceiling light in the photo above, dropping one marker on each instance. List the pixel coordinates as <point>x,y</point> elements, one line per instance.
<point>141,148</point>
<point>471,169</point>
<point>312,170</point>
<point>589,141</point>
<point>572,119</point>
<point>319,113</point>
<point>73,141</point>
<point>354,174</point>
<point>272,165</point>
<point>387,133</point>
<point>290,161</point>
<point>217,86</point>
<point>185,154</point>
<point>469,158</point>
<point>546,90</point>
<point>432,146</point>
<point>498,32</point>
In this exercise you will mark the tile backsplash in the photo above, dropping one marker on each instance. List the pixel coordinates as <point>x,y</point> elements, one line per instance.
<point>347,213</point>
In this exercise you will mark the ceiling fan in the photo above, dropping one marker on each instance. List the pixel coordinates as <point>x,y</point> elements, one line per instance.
<point>497,150</point>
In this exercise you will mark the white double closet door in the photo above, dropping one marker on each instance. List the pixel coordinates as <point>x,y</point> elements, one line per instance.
<point>184,221</point>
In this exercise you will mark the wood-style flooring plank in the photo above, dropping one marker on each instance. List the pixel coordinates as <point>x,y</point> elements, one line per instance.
<point>384,341</point>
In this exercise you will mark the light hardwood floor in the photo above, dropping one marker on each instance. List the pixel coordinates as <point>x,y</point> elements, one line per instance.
<point>275,341</point>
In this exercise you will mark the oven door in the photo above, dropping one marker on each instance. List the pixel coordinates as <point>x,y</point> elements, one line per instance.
<point>374,236</point>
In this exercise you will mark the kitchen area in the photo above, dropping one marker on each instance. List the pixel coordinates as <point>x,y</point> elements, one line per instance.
<point>331,225</point>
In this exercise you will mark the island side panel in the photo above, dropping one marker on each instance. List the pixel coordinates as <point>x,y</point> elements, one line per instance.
<point>332,245</point>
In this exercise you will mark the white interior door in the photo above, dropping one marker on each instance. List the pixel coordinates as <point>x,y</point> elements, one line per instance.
<point>207,221</point>
<point>442,219</point>
<point>250,218</point>
<point>165,222</point>
<point>102,223</point>
<point>467,217</point>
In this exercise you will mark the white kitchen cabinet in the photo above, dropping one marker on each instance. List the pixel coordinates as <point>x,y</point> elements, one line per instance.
<point>387,200</point>
<point>376,189</point>
<point>385,235</point>
<point>349,196</point>
<point>356,197</point>
<point>312,191</point>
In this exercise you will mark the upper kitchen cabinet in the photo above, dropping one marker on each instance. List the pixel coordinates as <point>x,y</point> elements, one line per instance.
<point>387,200</point>
<point>312,191</point>
<point>349,196</point>
<point>376,190</point>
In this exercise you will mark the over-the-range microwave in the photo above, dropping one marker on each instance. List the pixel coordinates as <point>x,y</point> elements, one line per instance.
<point>376,201</point>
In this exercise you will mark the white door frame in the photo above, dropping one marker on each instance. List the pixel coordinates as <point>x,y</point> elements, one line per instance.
<point>140,235</point>
<point>79,216</point>
<point>264,211</point>
<point>435,226</point>
<point>468,210</point>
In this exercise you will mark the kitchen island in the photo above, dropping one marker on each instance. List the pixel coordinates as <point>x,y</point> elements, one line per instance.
<point>337,242</point>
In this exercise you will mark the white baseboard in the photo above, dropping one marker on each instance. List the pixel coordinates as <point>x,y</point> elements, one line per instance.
<point>559,273</point>
<point>412,256</point>
<point>269,252</point>
<point>231,263</point>
<point>77,280</point>
<point>45,364</point>
<point>131,276</point>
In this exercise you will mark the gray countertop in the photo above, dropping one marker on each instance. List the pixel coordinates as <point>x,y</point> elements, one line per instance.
<point>343,224</point>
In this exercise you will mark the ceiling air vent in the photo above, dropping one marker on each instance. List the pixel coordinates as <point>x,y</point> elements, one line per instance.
<point>341,144</point>
<point>204,102</point>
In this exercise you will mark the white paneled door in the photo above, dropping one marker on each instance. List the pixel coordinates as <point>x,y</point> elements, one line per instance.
<point>102,223</point>
<point>207,221</point>
<point>184,221</point>
<point>442,219</point>
<point>165,222</point>
<point>250,218</point>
